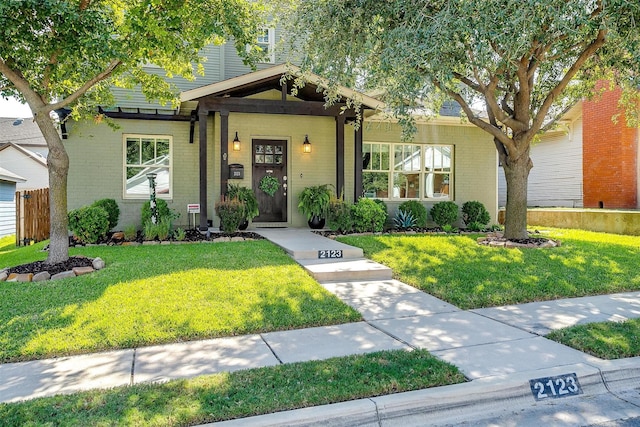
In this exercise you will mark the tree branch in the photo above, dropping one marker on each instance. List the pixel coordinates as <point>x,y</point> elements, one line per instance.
<point>596,44</point>
<point>85,87</point>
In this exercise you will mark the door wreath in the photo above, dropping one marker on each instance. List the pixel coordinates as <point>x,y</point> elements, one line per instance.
<point>269,184</point>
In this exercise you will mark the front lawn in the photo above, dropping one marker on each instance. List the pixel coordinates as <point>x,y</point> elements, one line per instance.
<point>458,270</point>
<point>159,294</point>
<point>239,394</point>
<point>606,340</point>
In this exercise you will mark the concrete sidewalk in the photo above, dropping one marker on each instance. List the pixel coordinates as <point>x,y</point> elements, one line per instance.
<point>499,349</point>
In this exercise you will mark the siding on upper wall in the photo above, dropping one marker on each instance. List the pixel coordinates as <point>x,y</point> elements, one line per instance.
<point>556,176</point>
<point>36,174</point>
<point>475,159</point>
<point>7,208</point>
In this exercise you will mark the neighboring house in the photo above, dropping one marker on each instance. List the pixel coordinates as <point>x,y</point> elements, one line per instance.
<point>192,152</point>
<point>8,182</point>
<point>32,166</point>
<point>589,161</point>
<point>23,132</point>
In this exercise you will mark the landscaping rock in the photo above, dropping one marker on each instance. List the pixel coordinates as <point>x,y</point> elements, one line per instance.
<point>79,271</point>
<point>63,275</point>
<point>165,242</point>
<point>130,244</point>
<point>3,276</point>
<point>118,235</point>
<point>237,239</point>
<point>41,277</point>
<point>23,277</point>
<point>150,242</point>
<point>222,239</point>
<point>98,263</point>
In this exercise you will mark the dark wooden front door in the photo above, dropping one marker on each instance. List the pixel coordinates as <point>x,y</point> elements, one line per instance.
<point>270,158</point>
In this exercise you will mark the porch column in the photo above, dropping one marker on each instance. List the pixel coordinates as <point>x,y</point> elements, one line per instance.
<point>224,151</point>
<point>202,126</point>
<point>357,166</point>
<point>339,154</point>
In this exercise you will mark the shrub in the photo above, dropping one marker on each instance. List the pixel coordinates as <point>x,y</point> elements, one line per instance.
<point>161,207</point>
<point>130,232</point>
<point>247,196</point>
<point>339,216</point>
<point>385,207</point>
<point>404,220</point>
<point>112,209</point>
<point>474,211</point>
<point>179,234</point>
<point>475,226</point>
<point>150,230</point>
<point>368,216</point>
<point>164,228</point>
<point>89,224</point>
<point>417,209</point>
<point>231,213</point>
<point>444,213</point>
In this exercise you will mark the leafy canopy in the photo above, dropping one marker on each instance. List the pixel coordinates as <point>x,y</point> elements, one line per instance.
<point>62,49</point>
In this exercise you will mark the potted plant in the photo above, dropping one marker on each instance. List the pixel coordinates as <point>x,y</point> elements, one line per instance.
<point>246,196</point>
<point>314,203</point>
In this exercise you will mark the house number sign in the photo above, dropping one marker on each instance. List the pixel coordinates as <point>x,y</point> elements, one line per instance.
<point>325,254</point>
<point>555,387</point>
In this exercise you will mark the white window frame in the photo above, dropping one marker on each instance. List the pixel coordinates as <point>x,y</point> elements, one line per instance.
<point>422,194</point>
<point>270,44</point>
<point>129,196</point>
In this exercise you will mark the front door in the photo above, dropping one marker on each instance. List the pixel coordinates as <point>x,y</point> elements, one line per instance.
<point>270,159</point>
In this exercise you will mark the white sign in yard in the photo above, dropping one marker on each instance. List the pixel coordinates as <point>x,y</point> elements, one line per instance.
<point>193,208</point>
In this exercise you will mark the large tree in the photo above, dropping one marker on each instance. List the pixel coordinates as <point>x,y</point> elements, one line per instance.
<point>514,66</point>
<point>58,54</point>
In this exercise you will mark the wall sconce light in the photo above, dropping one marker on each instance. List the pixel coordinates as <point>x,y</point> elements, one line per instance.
<point>236,143</point>
<point>306,145</point>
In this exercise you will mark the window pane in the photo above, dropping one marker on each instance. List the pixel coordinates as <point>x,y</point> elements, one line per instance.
<point>406,185</point>
<point>398,160</point>
<point>148,151</point>
<point>133,151</point>
<point>162,152</point>
<point>162,180</point>
<point>384,157</point>
<point>137,182</point>
<point>375,184</point>
<point>437,186</point>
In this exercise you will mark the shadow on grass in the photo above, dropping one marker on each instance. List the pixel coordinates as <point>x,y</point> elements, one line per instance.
<point>458,270</point>
<point>158,294</point>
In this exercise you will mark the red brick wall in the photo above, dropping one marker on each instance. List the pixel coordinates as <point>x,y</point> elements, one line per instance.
<point>609,155</point>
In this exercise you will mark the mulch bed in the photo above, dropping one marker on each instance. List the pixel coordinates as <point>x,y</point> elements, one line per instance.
<point>39,266</point>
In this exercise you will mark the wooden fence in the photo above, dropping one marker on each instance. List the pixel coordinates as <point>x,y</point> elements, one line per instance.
<point>32,216</point>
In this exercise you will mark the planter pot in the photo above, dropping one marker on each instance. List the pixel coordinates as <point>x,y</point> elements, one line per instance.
<point>243,225</point>
<point>316,223</point>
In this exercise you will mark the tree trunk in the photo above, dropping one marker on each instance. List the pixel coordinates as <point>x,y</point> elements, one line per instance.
<point>516,172</point>
<point>58,163</point>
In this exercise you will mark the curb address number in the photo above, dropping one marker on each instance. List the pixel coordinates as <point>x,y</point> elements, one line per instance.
<point>323,254</point>
<point>555,387</point>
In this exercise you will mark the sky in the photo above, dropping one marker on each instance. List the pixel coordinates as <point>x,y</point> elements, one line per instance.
<point>13,109</point>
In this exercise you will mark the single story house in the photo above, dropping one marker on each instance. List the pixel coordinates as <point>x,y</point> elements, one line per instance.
<point>237,126</point>
<point>8,181</point>
<point>32,165</point>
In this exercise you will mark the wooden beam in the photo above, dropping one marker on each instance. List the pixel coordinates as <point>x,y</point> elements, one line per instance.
<point>144,116</point>
<point>284,91</point>
<point>357,165</point>
<point>224,151</point>
<point>269,106</point>
<point>340,154</point>
<point>202,124</point>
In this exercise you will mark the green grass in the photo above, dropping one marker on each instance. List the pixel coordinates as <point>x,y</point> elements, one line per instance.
<point>159,294</point>
<point>239,394</point>
<point>458,270</point>
<point>607,340</point>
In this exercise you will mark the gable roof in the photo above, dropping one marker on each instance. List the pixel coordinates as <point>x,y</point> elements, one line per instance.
<point>23,132</point>
<point>269,78</point>
<point>28,153</point>
<point>6,175</point>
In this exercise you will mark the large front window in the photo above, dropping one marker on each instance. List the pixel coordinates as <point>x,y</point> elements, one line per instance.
<point>146,154</point>
<point>407,171</point>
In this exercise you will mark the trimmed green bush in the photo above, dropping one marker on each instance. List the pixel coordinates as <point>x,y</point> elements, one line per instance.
<point>368,216</point>
<point>89,223</point>
<point>417,210</point>
<point>339,216</point>
<point>475,212</point>
<point>231,213</point>
<point>162,208</point>
<point>111,206</point>
<point>444,213</point>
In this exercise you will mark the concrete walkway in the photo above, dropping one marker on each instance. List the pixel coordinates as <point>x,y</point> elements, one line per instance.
<point>499,349</point>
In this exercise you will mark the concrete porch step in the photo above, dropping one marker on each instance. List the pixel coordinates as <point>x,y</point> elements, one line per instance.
<point>335,270</point>
<point>306,245</point>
